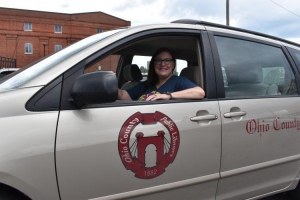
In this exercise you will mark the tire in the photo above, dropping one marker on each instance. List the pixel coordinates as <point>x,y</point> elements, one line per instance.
<point>8,193</point>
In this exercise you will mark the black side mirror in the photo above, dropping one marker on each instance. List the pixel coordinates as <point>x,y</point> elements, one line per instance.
<point>94,88</point>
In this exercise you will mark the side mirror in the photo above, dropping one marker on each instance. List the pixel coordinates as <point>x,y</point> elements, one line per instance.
<point>94,88</point>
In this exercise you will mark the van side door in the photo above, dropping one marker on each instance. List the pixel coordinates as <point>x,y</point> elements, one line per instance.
<point>260,117</point>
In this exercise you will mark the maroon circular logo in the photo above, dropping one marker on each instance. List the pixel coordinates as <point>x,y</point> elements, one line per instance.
<point>133,156</point>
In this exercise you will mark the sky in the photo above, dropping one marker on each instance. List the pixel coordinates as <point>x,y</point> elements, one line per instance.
<point>280,18</point>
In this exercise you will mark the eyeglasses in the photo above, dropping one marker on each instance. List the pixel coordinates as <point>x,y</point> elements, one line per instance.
<point>167,61</point>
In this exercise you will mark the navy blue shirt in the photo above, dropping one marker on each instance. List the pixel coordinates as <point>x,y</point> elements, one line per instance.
<point>176,83</point>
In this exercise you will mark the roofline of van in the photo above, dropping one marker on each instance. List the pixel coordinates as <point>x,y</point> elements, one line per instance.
<point>205,23</point>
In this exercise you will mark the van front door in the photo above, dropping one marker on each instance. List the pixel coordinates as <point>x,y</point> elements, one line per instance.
<point>128,151</point>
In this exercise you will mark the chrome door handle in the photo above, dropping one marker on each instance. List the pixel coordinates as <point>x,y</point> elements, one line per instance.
<point>204,117</point>
<point>235,114</point>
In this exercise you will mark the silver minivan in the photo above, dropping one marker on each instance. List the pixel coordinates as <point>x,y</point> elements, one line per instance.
<point>64,135</point>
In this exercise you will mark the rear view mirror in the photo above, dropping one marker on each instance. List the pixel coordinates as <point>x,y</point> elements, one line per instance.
<point>94,88</point>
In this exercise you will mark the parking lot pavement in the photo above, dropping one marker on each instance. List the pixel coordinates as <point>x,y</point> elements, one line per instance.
<point>282,196</point>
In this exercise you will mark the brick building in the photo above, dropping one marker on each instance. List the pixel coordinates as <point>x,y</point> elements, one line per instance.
<point>27,35</point>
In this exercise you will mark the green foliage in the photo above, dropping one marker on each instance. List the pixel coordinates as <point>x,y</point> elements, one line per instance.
<point>175,72</point>
<point>143,69</point>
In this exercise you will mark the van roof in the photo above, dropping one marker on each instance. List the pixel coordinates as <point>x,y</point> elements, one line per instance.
<point>205,23</point>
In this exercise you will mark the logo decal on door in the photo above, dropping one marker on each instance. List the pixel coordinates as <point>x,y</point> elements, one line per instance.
<point>133,154</point>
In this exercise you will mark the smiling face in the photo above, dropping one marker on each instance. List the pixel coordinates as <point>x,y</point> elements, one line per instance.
<point>164,65</point>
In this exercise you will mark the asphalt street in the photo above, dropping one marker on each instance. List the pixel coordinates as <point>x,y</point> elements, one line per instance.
<point>281,196</point>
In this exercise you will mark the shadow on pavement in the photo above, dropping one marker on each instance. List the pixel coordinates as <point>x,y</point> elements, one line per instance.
<point>281,196</point>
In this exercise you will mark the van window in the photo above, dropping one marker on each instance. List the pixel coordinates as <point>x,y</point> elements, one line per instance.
<point>139,53</point>
<point>254,69</point>
<point>144,61</point>
<point>296,57</point>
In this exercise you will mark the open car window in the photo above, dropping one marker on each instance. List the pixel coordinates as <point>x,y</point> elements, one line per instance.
<point>140,52</point>
<point>143,63</point>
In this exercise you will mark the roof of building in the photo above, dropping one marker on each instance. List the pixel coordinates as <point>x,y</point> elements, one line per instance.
<point>96,17</point>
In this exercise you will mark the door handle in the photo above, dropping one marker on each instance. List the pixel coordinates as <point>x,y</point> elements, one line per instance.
<point>235,114</point>
<point>204,117</point>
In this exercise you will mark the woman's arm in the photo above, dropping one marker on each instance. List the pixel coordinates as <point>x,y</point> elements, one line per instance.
<point>123,95</point>
<point>191,93</point>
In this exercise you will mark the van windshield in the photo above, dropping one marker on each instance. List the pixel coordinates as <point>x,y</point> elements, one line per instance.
<point>27,73</point>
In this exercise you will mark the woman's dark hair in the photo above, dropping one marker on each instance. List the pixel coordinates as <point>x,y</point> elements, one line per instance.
<point>152,78</point>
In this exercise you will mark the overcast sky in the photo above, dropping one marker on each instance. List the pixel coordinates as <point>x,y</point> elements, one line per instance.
<point>280,18</point>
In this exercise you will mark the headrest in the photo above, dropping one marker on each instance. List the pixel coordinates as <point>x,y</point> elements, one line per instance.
<point>132,73</point>
<point>236,75</point>
<point>192,73</point>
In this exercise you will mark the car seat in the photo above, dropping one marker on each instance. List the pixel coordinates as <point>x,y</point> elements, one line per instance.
<point>132,74</point>
<point>192,73</point>
<point>247,82</point>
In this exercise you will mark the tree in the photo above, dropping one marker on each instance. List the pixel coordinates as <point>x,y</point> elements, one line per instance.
<point>143,69</point>
<point>175,72</point>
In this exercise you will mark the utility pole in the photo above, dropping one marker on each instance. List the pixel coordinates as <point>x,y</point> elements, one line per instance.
<point>227,12</point>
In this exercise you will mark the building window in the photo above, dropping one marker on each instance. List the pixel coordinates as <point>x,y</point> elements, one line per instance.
<point>27,26</point>
<point>28,48</point>
<point>57,47</point>
<point>57,29</point>
<point>99,30</point>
